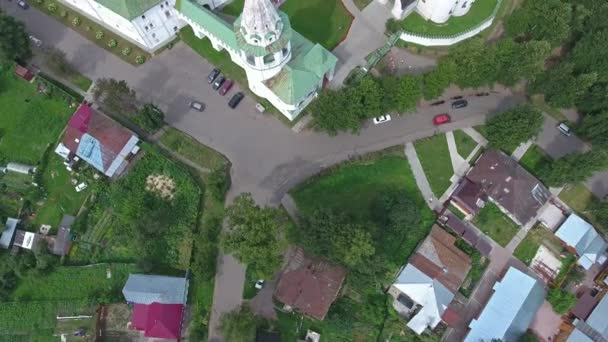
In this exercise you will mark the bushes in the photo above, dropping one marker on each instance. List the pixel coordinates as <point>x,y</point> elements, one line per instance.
<point>508,129</point>
<point>76,21</point>
<point>112,43</point>
<point>140,59</point>
<point>218,183</point>
<point>149,117</point>
<point>561,300</point>
<point>126,51</point>
<point>99,35</point>
<point>52,7</point>
<point>63,14</point>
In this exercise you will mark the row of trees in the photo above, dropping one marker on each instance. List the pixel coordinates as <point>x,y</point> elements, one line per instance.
<point>14,40</point>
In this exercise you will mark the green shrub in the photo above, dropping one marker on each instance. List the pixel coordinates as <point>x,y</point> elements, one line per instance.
<point>52,7</point>
<point>140,59</point>
<point>87,28</point>
<point>99,35</point>
<point>76,21</point>
<point>39,2</point>
<point>63,13</point>
<point>561,300</point>
<point>126,51</point>
<point>112,43</point>
<point>218,183</point>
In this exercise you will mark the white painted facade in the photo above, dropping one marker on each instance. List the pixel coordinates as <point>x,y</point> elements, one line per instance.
<point>150,30</point>
<point>445,41</point>
<point>438,11</point>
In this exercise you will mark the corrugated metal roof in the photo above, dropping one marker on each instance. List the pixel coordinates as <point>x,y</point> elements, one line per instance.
<point>129,9</point>
<point>581,235</point>
<point>511,308</point>
<point>598,319</point>
<point>148,289</point>
<point>9,232</point>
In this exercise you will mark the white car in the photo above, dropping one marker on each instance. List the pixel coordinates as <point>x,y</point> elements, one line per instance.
<point>81,186</point>
<point>37,42</point>
<point>562,127</point>
<point>382,119</point>
<point>259,284</point>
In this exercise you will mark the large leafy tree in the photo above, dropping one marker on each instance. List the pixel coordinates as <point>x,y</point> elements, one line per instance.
<point>401,93</point>
<point>115,96</point>
<point>574,168</point>
<point>595,128</point>
<point>562,86</point>
<point>255,235</point>
<point>541,20</point>
<point>14,41</point>
<point>332,235</point>
<point>508,129</point>
<point>519,61</point>
<point>475,62</point>
<point>436,81</point>
<point>239,325</point>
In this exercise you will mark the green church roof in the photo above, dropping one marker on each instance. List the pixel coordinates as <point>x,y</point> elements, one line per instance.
<point>129,9</point>
<point>209,21</point>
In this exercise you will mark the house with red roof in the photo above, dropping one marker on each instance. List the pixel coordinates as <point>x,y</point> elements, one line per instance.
<point>158,304</point>
<point>98,140</point>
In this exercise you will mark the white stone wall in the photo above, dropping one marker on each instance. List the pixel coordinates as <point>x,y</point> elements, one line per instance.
<point>439,11</point>
<point>445,41</point>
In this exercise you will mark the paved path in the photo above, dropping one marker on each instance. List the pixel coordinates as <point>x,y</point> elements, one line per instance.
<point>421,180</point>
<point>521,150</point>
<point>475,136</point>
<point>459,164</point>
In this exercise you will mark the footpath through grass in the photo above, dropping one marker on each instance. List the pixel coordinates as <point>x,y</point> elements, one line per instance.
<point>495,224</point>
<point>435,159</point>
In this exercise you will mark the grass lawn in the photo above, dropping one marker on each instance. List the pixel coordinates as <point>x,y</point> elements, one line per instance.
<point>188,147</point>
<point>495,224</point>
<point>536,236</point>
<point>583,201</point>
<point>464,143</point>
<point>479,12</point>
<point>534,159</point>
<point>81,81</point>
<point>435,159</point>
<point>31,126</point>
<point>89,29</point>
<point>322,21</point>
<point>456,212</point>
<point>249,291</point>
<point>73,283</point>
<point>62,198</point>
<point>353,187</point>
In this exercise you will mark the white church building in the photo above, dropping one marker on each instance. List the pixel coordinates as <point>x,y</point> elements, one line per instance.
<point>281,65</point>
<point>438,11</point>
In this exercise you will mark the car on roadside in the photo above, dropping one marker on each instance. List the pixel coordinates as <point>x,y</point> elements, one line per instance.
<point>218,82</point>
<point>441,119</point>
<point>35,41</point>
<point>564,129</point>
<point>23,4</point>
<point>197,106</point>
<point>235,100</point>
<point>382,119</point>
<point>460,104</point>
<point>81,187</point>
<point>213,75</point>
<point>259,284</point>
<point>226,87</point>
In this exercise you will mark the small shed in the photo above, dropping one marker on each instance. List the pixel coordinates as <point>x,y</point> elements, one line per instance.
<point>6,239</point>
<point>63,240</point>
<point>26,240</point>
<point>24,73</point>
<point>20,168</point>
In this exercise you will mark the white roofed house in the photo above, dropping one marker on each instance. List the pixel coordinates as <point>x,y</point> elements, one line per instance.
<point>584,240</point>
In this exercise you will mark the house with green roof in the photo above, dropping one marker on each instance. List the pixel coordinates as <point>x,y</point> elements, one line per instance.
<point>282,66</point>
<point>149,24</point>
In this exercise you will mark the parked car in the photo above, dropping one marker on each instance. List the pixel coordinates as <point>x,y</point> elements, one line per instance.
<point>81,186</point>
<point>23,4</point>
<point>437,103</point>
<point>197,105</point>
<point>382,119</point>
<point>562,127</point>
<point>441,119</point>
<point>35,41</point>
<point>213,75</point>
<point>259,284</point>
<point>226,87</point>
<point>460,104</point>
<point>218,82</point>
<point>235,100</point>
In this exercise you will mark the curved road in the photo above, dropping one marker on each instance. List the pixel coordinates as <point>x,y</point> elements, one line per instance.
<point>268,158</point>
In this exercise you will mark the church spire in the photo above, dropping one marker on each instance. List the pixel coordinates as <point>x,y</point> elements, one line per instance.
<point>261,24</point>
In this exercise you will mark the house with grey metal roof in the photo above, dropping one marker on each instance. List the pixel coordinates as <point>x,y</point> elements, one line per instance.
<point>148,289</point>
<point>8,234</point>
<point>510,310</point>
<point>584,240</point>
<point>595,328</point>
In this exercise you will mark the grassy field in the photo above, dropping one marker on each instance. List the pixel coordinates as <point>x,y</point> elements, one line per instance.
<point>435,159</point>
<point>352,188</point>
<point>464,143</point>
<point>583,201</point>
<point>35,120</point>
<point>73,283</point>
<point>37,319</point>
<point>322,21</point>
<point>62,197</point>
<point>495,224</point>
<point>534,159</point>
<point>188,147</point>
<point>536,236</point>
<point>479,12</point>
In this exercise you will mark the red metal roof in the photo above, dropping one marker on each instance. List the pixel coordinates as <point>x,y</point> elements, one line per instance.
<point>23,73</point>
<point>158,320</point>
<point>81,118</point>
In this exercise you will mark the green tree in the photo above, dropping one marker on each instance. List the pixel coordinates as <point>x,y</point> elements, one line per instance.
<point>436,81</point>
<point>218,183</point>
<point>590,54</point>
<point>475,63</point>
<point>509,129</point>
<point>519,61</point>
<point>239,325</point>
<point>58,63</point>
<point>333,236</point>
<point>115,96</point>
<point>149,117</point>
<point>595,128</point>
<point>14,40</point>
<point>573,168</point>
<point>541,20</point>
<point>367,95</point>
<point>561,300</point>
<point>401,94</point>
<point>254,237</point>
<point>562,86</point>
<point>330,112</point>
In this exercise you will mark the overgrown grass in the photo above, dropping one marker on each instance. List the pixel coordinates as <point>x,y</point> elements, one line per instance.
<point>29,121</point>
<point>539,102</point>
<point>534,159</point>
<point>37,318</point>
<point>435,159</point>
<point>479,12</point>
<point>495,224</point>
<point>479,264</point>
<point>249,290</point>
<point>536,236</point>
<point>584,202</point>
<point>464,143</point>
<point>191,149</point>
<point>322,21</point>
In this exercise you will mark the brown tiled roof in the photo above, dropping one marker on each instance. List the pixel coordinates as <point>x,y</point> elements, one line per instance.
<point>467,194</point>
<point>585,305</point>
<point>440,259</point>
<point>309,284</point>
<point>510,185</point>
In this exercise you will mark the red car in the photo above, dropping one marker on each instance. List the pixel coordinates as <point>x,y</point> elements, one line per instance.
<point>226,87</point>
<point>441,119</point>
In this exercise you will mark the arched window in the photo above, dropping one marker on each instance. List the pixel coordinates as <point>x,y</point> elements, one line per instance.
<point>251,60</point>
<point>268,59</point>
